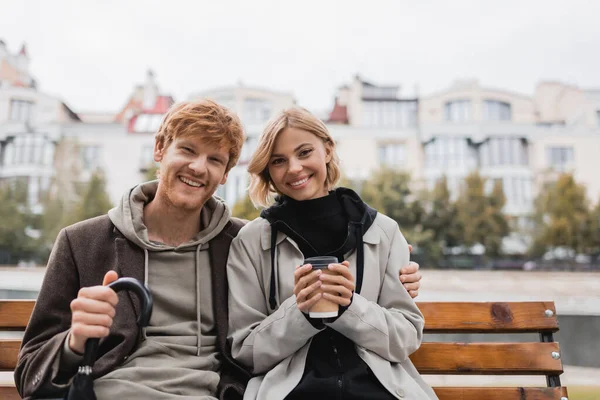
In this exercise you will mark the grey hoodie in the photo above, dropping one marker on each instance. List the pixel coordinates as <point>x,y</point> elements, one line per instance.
<point>179,358</point>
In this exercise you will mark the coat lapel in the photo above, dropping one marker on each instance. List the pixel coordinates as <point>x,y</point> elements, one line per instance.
<point>130,263</point>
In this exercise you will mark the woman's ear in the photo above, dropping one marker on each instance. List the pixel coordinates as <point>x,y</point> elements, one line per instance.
<point>328,152</point>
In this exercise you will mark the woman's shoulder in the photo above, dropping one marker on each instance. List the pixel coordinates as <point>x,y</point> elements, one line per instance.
<point>253,229</point>
<point>385,225</point>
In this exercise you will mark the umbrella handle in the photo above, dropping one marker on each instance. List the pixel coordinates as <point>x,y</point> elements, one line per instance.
<point>142,293</point>
<point>145,297</point>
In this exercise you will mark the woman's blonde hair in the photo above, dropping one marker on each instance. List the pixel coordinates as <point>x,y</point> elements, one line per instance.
<point>261,187</point>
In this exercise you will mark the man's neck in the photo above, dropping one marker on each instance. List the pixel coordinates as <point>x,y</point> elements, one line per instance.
<point>170,225</point>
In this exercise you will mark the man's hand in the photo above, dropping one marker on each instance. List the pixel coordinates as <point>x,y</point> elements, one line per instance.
<point>92,313</point>
<point>411,277</point>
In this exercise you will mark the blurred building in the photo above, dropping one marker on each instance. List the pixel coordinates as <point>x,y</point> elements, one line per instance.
<point>522,141</point>
<point>30,123</point>
<point>255,106</point>
<point>374,126</point>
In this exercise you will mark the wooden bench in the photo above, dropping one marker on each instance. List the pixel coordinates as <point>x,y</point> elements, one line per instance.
<point>440,358</point>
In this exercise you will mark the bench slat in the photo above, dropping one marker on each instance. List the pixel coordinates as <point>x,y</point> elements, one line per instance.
<point>435,358</point>
<point>445,317</point>
<point>9,393</point>
<point>489,317</point>
<point>9,351</point>
<point>14,314</point>
<point>487,358</point>
<point>500,393</point>
<point>444,393</point>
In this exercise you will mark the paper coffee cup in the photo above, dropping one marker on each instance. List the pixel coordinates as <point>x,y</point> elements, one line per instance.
<point>323,308</point>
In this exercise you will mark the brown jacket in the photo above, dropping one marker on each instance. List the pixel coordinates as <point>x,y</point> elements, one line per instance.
<point>82,254</point>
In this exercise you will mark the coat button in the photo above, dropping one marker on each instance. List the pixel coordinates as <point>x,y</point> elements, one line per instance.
<point>400,393</point>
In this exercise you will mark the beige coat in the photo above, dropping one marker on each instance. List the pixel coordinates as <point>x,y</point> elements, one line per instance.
<point>383,320</point>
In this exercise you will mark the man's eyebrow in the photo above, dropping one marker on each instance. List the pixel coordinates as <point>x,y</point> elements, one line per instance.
<point>296,149</point>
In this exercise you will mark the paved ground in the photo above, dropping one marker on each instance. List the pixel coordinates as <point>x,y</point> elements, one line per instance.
<point>575,293</point>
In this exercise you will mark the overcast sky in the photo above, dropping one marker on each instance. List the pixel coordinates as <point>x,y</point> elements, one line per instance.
<point>92,52</point>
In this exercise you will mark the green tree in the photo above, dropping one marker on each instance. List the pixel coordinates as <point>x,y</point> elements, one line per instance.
<point>15,243</point>
<point>150,174</point>
<point>496,220</point>
<point>480,217</point>
<point>562,215</point>
<point>441,218</point>
<point>94,200</point>
<point>389,192</point>
<point>244,209</point>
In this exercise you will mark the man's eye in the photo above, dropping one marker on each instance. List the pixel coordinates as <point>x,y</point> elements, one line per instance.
<point>188,150</point>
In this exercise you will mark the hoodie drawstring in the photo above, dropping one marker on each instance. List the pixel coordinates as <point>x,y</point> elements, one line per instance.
<point>272,299</point>
<point>198,331</point>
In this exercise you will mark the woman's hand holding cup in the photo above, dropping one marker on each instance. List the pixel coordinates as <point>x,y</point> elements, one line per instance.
<point>306,281</point>
<point>339,286</point>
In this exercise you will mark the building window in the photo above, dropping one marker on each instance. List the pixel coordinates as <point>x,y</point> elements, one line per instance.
<point>147,156</point>
<point>248,149</point>
<point>496,111</point>
<point>448,152</point>
<point>560,158</point>
<point>145,123</point>
<point>504,151</point>
<point>256,110</point>
<point>458,110</point>
<point>90,157</point>
<point>20,110</point>
<point>392,154</point>
<point>389,114</point>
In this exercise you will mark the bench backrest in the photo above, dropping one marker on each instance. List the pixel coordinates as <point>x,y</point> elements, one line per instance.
<point>440,358</point>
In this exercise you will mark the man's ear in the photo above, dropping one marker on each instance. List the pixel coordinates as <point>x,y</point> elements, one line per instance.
<point>159,148</point>
<point>224,180</point>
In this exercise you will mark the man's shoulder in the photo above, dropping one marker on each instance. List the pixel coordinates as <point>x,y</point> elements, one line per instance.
<point>234,226</point>
<point>91,227</point>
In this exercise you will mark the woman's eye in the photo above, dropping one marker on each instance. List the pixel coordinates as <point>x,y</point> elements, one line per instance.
<point>277,161</point>
<point>306,152</point>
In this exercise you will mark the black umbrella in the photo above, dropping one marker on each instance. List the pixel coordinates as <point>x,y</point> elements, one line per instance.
<point>83,384</point>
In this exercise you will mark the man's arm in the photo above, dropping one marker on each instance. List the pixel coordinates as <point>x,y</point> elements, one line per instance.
<point>411,277</point>
<point>63,318</point>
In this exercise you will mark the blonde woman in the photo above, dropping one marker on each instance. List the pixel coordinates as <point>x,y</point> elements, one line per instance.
<point>363,351</point>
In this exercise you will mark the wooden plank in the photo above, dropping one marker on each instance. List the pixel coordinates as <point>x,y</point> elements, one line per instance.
<point>8,392</point>
<point>487,358</point>
<point>455,317</point>
<point>500,393</point>
<point>444,317</point>
<point>9,352</point>
<point>14,314</point>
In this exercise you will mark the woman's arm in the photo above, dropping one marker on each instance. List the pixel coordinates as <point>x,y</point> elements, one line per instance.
<point>392,327</point>
<point>259,340</point>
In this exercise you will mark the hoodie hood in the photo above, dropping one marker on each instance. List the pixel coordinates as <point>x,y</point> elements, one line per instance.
<point>360,218</point>
<point>128,218</point>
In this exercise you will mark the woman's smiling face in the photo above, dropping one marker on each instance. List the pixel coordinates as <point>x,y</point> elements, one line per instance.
<point>298,164</point>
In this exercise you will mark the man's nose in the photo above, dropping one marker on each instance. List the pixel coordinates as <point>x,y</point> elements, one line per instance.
<point>198,165</point>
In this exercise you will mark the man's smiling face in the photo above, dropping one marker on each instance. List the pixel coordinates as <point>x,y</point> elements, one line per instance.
<point>190,171</point>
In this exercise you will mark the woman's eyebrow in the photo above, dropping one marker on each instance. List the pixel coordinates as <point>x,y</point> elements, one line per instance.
<point>296,149</point>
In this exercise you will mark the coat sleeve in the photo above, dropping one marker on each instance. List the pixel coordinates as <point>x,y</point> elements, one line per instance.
<point>392,327</point>
<point>259,340</point>
<point>38,372</point>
